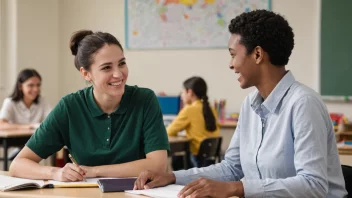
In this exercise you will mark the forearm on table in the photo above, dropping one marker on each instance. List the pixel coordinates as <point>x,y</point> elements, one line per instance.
<point>5,126</point>
<point>25,168</point>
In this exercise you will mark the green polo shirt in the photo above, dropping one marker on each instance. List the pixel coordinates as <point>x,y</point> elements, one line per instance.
<point>96,138</point>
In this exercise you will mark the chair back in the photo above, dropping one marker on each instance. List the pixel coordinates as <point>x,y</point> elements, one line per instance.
<point>347,174</point>
<point>209,151</point>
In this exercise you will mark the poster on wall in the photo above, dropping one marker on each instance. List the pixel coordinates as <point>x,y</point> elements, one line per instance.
<point>176,24</point>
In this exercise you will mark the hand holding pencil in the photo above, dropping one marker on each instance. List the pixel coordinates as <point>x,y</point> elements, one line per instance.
<point>69,173</point>
<point>75,162</point>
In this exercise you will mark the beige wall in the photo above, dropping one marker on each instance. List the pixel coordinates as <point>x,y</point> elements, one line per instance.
<point>31,41</point>
<point>166,70</point>
<point>8,33</point>
<point>43,27</point>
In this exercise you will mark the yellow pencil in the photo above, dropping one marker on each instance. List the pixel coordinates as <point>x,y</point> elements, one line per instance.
<point>75,162</point>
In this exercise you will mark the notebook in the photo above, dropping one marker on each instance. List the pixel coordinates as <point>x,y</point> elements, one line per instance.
<point>169,191</point>
<point>116,185</point>
<point>12,183</point>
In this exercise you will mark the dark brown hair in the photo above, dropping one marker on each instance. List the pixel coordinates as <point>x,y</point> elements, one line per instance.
<point>85,43</point>
<point>22,77</point>
<point>199,88</point>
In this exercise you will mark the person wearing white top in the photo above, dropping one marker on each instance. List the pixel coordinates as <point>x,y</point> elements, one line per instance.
<point>25,108</point>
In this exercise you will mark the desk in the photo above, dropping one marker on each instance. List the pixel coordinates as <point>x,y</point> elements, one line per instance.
<point>13,137</point>
<point>228,124</point>
<point>65,193</point>
<point>345,152</point>
<point>227,129</point>
<point>180,144</point>
<point>62,192</point>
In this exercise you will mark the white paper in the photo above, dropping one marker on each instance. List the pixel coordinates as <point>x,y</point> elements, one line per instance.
<point>169,191</point>
<point>89,181</point>
<point>8,183</point>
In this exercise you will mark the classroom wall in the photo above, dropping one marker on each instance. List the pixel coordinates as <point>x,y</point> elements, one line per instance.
<point>8,29</point>
<point>38,34</point>
<point>31,40</point>
<point>166,70</point>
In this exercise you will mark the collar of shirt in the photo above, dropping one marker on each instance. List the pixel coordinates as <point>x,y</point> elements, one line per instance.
<point>25,108</point>
<point>196,102</point>
<point>273,100</point>
<point>95,109</point>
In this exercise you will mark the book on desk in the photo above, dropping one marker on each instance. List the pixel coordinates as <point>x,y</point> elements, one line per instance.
<point>8,183</point>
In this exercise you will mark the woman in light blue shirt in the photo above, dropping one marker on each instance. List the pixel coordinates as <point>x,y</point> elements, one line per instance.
<point>284,144</point>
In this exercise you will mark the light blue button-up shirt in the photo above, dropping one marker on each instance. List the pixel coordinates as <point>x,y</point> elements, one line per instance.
<point>283,147</point>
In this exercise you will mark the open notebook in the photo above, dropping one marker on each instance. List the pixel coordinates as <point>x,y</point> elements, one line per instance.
<point>12,183</point>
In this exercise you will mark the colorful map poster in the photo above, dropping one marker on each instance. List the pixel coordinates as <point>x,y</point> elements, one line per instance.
<point>153,24</point>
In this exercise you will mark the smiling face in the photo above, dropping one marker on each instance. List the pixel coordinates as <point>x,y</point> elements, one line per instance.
<point>245,65</point>
<point>31,88</point>
<point>108,72</point>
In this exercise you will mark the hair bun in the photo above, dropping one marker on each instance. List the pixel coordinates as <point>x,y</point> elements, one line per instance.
<point>76,38</point>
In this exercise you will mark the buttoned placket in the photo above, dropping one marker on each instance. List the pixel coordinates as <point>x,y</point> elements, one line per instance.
<point>263,114</point>
<point>108,130</point>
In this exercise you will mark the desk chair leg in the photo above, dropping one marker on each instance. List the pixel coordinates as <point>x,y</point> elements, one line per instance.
<point>5,146</point>
<point>187,159</point>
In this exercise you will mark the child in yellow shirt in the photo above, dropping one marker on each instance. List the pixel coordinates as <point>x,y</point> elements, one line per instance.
<point>197,117</point>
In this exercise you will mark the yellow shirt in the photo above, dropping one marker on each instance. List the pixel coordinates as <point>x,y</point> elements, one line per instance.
<point>191,119</point>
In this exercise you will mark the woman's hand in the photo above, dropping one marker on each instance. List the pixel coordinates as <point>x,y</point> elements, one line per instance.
<point>90,171</point>
<point>151,179</point>
<point>69,173</point>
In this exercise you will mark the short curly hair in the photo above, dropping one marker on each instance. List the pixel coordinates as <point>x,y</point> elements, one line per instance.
<point>265,29</point>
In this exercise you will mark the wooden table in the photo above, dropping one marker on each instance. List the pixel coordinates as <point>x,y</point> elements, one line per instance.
<point>180,144</point>
<point>65,193</point>
<point>13,137</point>
<point>228,124</point>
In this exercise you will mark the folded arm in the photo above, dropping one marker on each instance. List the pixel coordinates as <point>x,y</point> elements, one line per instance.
<point>4,125</point>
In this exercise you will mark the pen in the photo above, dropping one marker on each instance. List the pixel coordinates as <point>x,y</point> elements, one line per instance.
<point>74,162</point>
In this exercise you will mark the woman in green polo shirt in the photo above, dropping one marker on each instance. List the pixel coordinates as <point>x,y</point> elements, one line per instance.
<point>111,129</point>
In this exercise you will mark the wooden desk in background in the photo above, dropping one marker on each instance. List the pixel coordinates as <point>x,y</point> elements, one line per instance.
<point>228,124</point>
<point>227,129</point>
<point>10,138</point>
<point>180,144</point>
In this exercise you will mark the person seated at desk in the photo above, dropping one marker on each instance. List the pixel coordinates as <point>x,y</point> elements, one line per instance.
<point>198,118</point>
<point>111,129</point>
<point>284,144</point>
<point>25,108</point>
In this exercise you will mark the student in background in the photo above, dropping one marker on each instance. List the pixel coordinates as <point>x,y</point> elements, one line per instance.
<point>284,144</point>
<point>197,117</point>
<point>111,129</point>
<point>25,108</point>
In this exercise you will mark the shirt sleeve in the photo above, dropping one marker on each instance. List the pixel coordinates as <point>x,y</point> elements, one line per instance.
<point>155,136</point>
<point>49,137</point>
<point>179,123</point>
<point>6,112</point>
<point>310,146</point>
<point>228,170</point>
